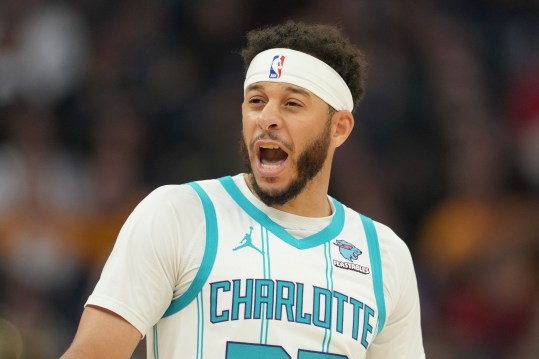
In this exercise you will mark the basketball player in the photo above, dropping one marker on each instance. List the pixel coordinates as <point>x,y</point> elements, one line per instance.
<point>263,264</point>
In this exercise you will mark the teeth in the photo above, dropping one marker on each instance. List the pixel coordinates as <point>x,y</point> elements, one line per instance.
<point>271,147</point>
<point>271,165</point>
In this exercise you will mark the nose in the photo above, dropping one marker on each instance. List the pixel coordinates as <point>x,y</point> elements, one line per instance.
<point>270,117</point>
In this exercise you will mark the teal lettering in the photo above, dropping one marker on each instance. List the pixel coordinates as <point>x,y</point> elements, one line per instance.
<point>317,304</point>
<point>301,317</point>
<point>238,299</point>
<point>357,308</point>
<point>215,288</point>
<point>274,299</point>
<point>341,299</point>
<point>367,327</point>
<point>264,294</point>
<point>284,302</point>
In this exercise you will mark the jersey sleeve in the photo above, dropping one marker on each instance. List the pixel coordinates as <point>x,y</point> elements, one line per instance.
<point>145,270</point>
<point>401,337</point>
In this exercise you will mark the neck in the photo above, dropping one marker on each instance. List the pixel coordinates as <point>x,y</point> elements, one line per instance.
<point>307,205</point>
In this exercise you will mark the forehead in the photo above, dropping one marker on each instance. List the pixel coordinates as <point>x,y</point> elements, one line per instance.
<point>278,86</point>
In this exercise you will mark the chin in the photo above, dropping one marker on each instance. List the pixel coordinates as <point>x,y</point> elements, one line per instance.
<point>272,193</point>
<point>272,184</point>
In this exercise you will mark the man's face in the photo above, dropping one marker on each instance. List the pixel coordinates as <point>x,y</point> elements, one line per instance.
<point>286,139</point>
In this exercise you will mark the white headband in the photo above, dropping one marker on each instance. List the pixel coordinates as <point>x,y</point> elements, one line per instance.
<point>301,69</point>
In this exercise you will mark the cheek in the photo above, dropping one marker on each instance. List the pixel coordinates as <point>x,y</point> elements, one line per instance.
<point>248,119</point>
<point>248,133</point>
<point>302,135</point>
<point>247,129</point>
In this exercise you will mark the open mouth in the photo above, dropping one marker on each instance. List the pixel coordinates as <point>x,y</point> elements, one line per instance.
<point>271,158</point>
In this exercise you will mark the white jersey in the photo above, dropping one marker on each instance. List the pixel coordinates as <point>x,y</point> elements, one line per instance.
<point>207,271</point>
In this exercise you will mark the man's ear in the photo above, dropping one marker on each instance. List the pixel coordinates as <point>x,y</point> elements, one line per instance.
<point>343,122</point>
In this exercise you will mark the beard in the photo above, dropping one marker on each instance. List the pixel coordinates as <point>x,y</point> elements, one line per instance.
<point>309,164</point>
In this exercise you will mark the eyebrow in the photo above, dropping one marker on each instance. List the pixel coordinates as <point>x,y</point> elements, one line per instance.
<point>298,90</point>
<point>294,89</point>
<point>254,86</point>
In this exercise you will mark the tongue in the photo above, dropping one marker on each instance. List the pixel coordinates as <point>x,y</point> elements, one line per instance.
<point>272,156</point>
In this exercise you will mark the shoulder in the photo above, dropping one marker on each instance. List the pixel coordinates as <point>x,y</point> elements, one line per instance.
<point>175,197</point>
<point>397,267</point>
<point>172,207</point>
<point>394,251</point>
<point>391,245</point>
<point>170,194</point>
<point>398,271</point>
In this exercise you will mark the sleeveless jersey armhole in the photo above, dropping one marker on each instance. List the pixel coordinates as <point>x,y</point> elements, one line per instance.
<point>208,259</point>
<point>376,262</point>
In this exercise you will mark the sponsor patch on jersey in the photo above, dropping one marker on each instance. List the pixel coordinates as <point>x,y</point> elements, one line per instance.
<point>351,253</point>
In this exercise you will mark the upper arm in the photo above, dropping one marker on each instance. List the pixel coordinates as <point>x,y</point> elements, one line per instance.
<point>401,337</point>
<point>154,259</point>
<point>103,334</point>
<point>141,276</point>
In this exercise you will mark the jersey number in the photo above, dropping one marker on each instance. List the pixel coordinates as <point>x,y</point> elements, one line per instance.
<point>236,350</point>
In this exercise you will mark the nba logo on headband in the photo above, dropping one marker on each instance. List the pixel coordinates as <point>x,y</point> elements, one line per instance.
<point>276,66</point>
<point>302,70</point>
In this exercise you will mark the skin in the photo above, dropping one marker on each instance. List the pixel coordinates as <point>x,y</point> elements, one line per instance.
<point>103,334</point>
<point>288,116</point>
<point>275,114</point>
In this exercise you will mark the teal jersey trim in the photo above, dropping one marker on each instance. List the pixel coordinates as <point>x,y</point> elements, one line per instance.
<point>328,333</point>
<point>155,340</point>
<point>325,235</point>
<point>376,263</point>
<point>200,326</point>
<point>208,259</point>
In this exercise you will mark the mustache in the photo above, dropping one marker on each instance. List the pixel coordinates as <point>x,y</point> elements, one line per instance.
<point>273,137</point>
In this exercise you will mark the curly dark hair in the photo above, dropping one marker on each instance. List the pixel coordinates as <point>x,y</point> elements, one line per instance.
<point>325,42</point>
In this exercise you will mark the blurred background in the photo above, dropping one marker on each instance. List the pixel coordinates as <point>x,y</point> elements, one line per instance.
<point>102,101</point>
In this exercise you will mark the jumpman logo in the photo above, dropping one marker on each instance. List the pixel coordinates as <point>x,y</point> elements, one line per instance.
<point>247,241</point>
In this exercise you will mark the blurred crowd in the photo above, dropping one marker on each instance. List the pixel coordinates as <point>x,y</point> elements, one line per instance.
<point>102,101</point>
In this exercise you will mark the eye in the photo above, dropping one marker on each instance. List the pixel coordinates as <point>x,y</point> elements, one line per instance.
<point>256,101</point>
<point>292,103</point>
